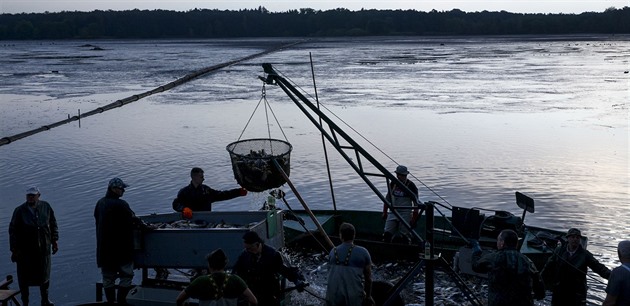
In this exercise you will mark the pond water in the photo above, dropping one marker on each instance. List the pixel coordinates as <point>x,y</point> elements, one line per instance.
<point>474,118</point>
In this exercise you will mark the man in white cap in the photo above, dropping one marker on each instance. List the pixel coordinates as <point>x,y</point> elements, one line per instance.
<point>618,289</point>
<point>33,233</point>
<point>399,196</point>
<point>115,223</point>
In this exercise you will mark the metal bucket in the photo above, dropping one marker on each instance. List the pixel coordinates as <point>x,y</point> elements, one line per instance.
<point>252,162</point>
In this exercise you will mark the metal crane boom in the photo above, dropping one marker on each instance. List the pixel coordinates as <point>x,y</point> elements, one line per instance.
<point>333,133</point>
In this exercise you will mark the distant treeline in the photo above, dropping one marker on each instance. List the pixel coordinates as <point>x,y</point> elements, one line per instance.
<point>302,23</point>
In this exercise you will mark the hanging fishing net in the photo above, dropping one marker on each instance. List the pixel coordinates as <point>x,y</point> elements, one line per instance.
<point>252,162</point>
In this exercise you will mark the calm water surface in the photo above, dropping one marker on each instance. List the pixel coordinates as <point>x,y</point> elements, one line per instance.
<point>474,119</point>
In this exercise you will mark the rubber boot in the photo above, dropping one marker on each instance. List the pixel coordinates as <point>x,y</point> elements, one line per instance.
<point>122,295</point>
<point>110,295</point>
<point>24,295</point>
<point>43,290</point>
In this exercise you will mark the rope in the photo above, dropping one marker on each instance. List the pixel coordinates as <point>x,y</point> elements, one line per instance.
<point>263,98</point>
<point>119,103</point>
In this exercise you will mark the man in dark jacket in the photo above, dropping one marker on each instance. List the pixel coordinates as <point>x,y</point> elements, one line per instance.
<point>566,269</point>
<point>511,275</point>
<point>199,197</point>
<point>115,223</point>
<point>261,267</point>
<point>33,233</point>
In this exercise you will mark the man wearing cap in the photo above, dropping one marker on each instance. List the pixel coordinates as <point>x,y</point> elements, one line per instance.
<point>218,287</point>
<point>199,197</point>
<point>33,233</point>
<point>261,267</point>
<point>400,196</point>
<point>566,271</point>
<point>618,289</point>
<point>115,223</point>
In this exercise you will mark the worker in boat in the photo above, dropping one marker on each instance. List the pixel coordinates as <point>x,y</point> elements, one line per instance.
<point>218,287</point>
<point>511,275</point>
<point>618,289</point>
<point>398,196</point>
<point>33,234</point>
<point>262,267</point>
<point>350,274</point>
<point>199,197</point>
<point>115,225</point>
<point>566,270</point>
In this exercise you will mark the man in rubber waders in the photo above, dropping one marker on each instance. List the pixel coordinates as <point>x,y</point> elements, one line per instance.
<point>350,274</point>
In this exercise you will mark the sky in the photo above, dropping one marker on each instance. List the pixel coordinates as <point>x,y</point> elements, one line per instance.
<point>514,6</point>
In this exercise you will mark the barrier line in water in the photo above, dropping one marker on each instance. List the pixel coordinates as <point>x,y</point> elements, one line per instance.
<point>119,103</point>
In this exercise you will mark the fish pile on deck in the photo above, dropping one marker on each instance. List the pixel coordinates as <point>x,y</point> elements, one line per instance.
<point>188,224</point>
<point>314,266</point>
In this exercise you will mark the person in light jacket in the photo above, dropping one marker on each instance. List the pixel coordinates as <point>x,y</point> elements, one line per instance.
<point>398,196</point>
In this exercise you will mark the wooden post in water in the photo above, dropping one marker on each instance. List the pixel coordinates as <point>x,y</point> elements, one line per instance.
<point>429,275</point>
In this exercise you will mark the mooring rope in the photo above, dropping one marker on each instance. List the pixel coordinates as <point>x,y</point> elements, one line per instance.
<point>119,103</point>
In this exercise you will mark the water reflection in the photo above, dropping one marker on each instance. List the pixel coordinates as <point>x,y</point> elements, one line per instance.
<point>473,120</point>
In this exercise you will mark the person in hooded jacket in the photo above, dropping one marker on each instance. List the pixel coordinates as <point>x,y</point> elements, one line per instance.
<point>262,267</point>
<point>115,225</point>
<point>33,233</point>
<point>566,271</point>
<point>512,277</point>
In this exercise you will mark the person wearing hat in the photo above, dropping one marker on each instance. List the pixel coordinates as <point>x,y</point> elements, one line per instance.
<point>565,271</point>
<point>618,289</point>
<point>199,197</point>
<point>218,287</point>
<point>115,223</point>
<point>33,234</point>
<point>406,195</point>
<point>261,266</point>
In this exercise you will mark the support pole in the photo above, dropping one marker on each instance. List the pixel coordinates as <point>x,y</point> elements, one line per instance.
<point>306,208</point>
<point>429,276</point>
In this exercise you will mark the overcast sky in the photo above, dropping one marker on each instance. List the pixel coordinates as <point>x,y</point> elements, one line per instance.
<point>516,6</point>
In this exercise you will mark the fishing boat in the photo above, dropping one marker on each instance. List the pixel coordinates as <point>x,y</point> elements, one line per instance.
<point>439,240</point>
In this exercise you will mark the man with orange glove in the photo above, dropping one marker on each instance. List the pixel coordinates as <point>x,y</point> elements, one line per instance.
<point>398,196</point>
<point>199,197</point>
